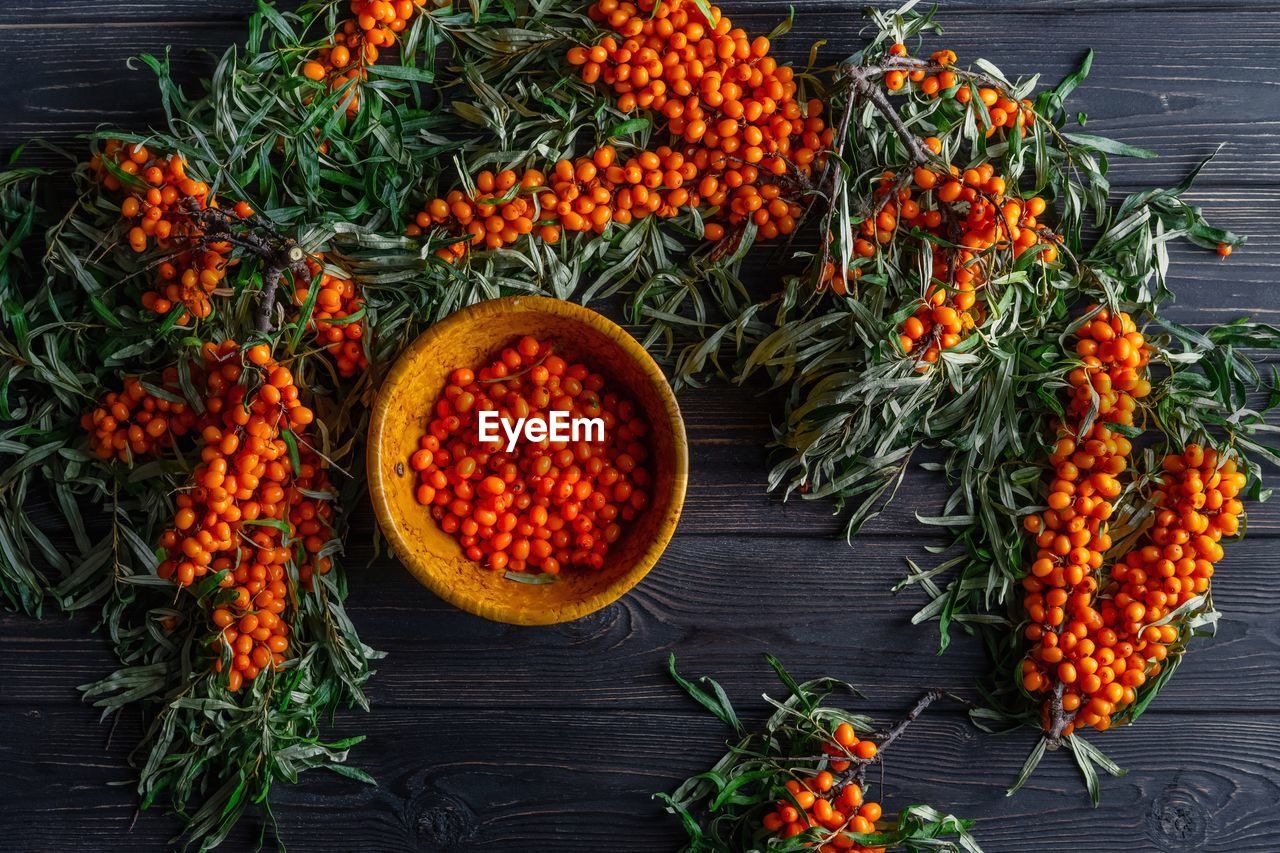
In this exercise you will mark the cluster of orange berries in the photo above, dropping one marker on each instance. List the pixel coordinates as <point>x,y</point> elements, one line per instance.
<point>1196,506</point>
<point>374,24</point>
<point>731,106</point>
<point>585,194</point>
<point>1004,112</point>
<point>251,620</point>
<point>158,199</point>
<point>157,193</point>
<point>134,423</point>
<point>503,209</point>
<point>824,803</point>
<point>243,460</point>
<point>336,301</point>
<point>311,519</point>
<point>160,207</point>
<point>548,503</point>
<point>970,208</point>
<point>245,504</point>
<point>1095,641</point>
<point>656,183</point>
<point>732,112</point>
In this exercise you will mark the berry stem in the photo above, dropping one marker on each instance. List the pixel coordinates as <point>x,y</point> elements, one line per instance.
<point>1059,719</point>
<point>861,85</point>
<point>278,255</point>
<point>899,728</point>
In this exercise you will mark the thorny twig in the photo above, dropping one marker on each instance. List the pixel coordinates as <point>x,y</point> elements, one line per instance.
<point>861,85</point>
<point>914,63</point>
<point>898,728</point>
<point>277,254</point>
<point>858,766</point>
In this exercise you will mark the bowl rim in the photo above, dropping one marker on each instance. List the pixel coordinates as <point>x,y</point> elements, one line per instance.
<point>378,489</point>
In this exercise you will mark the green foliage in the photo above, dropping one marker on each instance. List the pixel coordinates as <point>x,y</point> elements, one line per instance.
<point>345,185</point>
<point>484,85</point>
<point>722,808</point>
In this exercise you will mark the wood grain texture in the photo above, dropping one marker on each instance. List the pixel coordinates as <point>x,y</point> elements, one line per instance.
<point>562,783</point>
<point>35,14</point>
<point>719,603</point>
<point>493,737</point>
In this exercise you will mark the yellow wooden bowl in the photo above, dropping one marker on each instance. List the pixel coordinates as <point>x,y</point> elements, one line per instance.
<point>471,338</point>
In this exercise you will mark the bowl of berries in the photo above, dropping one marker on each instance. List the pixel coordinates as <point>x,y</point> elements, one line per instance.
<point>527,460</point>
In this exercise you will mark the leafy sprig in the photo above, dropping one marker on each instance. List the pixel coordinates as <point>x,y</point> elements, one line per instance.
<point>722,809</point>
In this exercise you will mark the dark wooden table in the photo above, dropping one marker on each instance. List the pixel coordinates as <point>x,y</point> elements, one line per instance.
<point>487,736</point>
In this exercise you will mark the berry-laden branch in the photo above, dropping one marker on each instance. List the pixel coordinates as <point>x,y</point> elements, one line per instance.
<point>278,255</point>
<point>1072,536</point>
<point>1097,639</point>
<point>815,798</point>
<point>862,84</point>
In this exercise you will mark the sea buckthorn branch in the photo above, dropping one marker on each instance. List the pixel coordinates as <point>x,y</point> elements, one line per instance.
<point>1106,622</point>
<point>374,25</point>
<point>800,782</point>
<point>988,246</point>
<point>234,638</point>
<point>288,141</point>
<point>278,255</point>
<point>862,85</point>
<point>200,240</point>
<point>249,547</point>
<point>1072,536</point>
<point>722,137</point>
<point>899,728</point>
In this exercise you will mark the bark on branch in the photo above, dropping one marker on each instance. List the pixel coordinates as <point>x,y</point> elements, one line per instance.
<point>278,255</point>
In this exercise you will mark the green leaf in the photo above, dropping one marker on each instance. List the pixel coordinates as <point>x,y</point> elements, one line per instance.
<point>1029,766</point>
<point>717,702</point>
<point>1109,146</point>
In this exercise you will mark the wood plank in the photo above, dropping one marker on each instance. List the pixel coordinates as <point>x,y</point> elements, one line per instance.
<point>1222,87</point>
<point>90,83</point>
<point>36,14</point>
<point>569,782</point>
<point>720,602</point>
